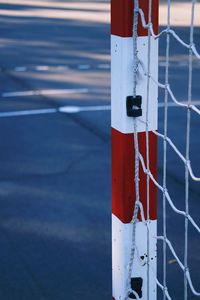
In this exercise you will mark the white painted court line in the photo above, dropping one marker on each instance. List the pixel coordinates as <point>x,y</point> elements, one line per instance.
<point>20,69</point>
<point>61,68</point>
<point>77,109</point>
<point>41,68</point>
<point>104,66</point>
<point>27,112</point>
<point>73,109</point>
<point>83,67</point>
<point>43,93</point>
<point>179,64</point>
<point>63,109</point>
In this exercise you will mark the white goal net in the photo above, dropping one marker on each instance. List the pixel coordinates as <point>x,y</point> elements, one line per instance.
<point>178,240</point>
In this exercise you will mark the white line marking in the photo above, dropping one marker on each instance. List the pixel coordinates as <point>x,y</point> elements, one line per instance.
<point>28,112</point>
<point>62,67</point>
<point>42,68</point>
<point>20,69</point>
<point>182,63</point>
<point>175,64</point>
<point>162,64</point>
<point>69,109</point>
<point>18,94</point>
<point>83,67</point>
<point>103,66</point>
<point>77,109</point>
<point>72,109</point>
<point>43,92</point>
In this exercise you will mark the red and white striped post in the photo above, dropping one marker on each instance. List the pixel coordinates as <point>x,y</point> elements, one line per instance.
<point>123,156</point>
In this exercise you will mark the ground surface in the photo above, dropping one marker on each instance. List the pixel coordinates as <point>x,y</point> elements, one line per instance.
<point>55,166</point>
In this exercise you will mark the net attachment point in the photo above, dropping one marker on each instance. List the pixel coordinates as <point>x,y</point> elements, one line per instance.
<point>133,106</point>
<point>136,286</point>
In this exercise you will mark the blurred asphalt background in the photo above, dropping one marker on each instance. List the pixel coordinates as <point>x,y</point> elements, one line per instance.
<point>55,166</point>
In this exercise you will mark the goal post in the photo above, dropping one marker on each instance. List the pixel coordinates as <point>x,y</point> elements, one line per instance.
<point>133,119</point>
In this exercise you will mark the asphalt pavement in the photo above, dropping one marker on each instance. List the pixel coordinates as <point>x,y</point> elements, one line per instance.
<point>55,161</point>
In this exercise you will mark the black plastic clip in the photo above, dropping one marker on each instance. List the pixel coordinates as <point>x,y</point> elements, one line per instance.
<point>133,106</point>
<point>136,285</point>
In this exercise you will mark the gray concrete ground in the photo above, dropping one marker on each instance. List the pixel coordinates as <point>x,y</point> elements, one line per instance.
<point>55,167</point>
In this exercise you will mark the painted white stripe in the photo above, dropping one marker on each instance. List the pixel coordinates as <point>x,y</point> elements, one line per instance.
<point>20,69</point>
<point>104,66</point>
<point>18,94</point>
<point>28,112</point>
<point>122,82</point>
<point>121,245</point>
<point>43,92</point>
<point>60,67</point>
<point>42,68</point>
<point>77,109</point>
<point>173,64</point>
<point>83,67</point>
<point>74,109</point>
<point>63,109</point>
<point>162,64</point>
<point>179,64</point>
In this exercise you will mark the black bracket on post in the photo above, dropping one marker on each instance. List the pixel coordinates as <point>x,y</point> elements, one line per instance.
<point>136,285</point>
<point>133,106</point>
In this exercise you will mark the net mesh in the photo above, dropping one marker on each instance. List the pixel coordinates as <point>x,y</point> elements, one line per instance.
<point>167,199</point>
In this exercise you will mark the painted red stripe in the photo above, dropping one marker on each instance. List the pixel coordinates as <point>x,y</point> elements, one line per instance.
<point>123,175</point>
<point>122,17</point>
